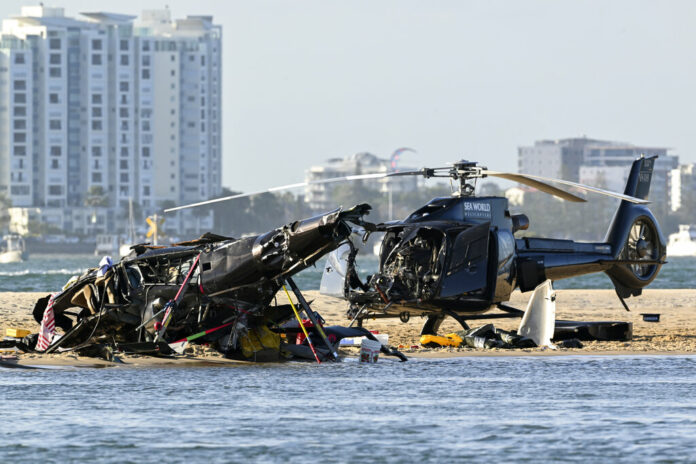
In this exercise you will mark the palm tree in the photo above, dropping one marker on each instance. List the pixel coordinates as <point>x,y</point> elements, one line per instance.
<point>96,197</point>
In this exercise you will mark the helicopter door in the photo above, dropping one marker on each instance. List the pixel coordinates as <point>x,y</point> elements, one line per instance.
<point>467,269</point>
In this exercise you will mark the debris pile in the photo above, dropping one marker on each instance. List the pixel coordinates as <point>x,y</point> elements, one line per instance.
<point>567,334</point>
<point>484,337</point>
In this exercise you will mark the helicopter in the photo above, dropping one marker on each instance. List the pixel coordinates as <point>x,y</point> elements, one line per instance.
<point>458,256</point>
<point>214,289</point>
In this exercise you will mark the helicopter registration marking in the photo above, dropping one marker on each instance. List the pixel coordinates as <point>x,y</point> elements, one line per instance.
<point>477,209</point>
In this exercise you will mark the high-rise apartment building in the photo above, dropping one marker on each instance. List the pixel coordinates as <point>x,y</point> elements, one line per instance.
<point>99,110</point>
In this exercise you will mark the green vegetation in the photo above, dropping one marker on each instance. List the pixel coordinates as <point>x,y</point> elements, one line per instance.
<point>96,197</point>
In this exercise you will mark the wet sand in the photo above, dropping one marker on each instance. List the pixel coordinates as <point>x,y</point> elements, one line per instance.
<point>675,334</point>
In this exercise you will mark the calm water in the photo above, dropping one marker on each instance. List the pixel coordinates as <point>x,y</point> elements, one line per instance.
<point>50,272</point>
<point>521,409</point>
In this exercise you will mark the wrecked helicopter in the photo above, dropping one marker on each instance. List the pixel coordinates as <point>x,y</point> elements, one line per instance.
<point>458,256</point>
<point>215,289</point>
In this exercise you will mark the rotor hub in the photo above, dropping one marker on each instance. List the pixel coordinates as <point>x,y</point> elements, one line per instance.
<point>642,248</point>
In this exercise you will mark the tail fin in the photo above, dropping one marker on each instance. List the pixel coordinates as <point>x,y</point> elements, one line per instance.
<point>638,184</point>
<point>635,237</point>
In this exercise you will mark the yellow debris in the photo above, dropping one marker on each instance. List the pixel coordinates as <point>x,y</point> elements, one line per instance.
<point>17,333</point>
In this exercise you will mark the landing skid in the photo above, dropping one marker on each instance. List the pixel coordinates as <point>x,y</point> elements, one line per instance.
<point>433,321</point>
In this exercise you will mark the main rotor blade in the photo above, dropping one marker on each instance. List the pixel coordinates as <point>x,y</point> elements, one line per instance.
<point>281,188</point>
<point>528,179</point>
<point>546,188</point>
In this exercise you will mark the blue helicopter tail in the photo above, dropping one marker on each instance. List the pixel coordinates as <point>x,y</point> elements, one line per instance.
<point>636,240</point>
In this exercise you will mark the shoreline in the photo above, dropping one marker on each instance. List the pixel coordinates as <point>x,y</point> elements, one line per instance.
<point>674,335</point>
<point>48,362</point>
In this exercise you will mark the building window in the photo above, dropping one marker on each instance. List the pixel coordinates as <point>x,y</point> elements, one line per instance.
<point>20,124</point>
<point>123,86</point>
<point>96,112</point>
<point>55,189</point>
<point>96,125</point>
<point>146,126</point>
<point>96,177</point>
<point>123,112</point>
<point>124,177</point>
<point>145,74</point>
<point>124,45</point>
<point>20,189</point>
<point>124,151</point>
<point>54,44</point>
<point>123,164</point>
<point>124,125</point>
<point>55,164</point>
<point>56,150</point>
<point>202,60</point>
<point>54,72</point>
<point>96,44</point>
<point>146,46</point>
<point>173,57</point>
<point>54,58</point>
<point>146,190</point>
<point>20,85</point>
<point>53,98</point>
<point>146,152</point>
<point>54,124</point>
<point>20,150</point>
<point>96,59</point>
<point>173,72</point>
<point>19,58</point>
<point>96,99</point>
<point>20,137</point>
<point>146,60</point>
<point>20,111</point>
<point>124,60</point>
<point>96,151</point>
<point>20,98</point>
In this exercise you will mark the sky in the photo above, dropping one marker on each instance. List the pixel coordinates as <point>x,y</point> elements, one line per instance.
<point>304,81</point>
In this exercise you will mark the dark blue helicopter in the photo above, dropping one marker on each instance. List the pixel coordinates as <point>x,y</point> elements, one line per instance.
<point>457,256</point>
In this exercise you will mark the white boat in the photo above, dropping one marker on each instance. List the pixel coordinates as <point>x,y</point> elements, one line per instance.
<point>107,244</point>
<point>114,245</point>
<point>682,243</point>
<point>12,249</point>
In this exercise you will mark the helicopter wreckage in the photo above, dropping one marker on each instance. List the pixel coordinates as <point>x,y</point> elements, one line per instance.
<point>216,290</point>
<point>456,256</point>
